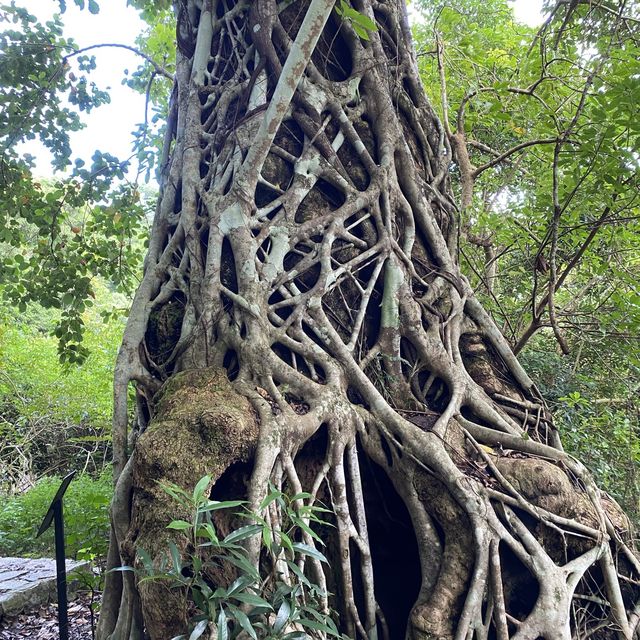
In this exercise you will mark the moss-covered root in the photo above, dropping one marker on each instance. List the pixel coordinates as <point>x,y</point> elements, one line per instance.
<point>201,426</point>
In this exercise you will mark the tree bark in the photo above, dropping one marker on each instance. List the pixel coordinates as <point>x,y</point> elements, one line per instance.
<point>301,287</point>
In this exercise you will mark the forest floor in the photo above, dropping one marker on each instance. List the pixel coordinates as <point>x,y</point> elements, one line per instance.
<point>41,623</point>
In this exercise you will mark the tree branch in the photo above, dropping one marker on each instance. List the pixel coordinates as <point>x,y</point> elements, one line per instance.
<point>159,69</point>
<point>503,156</point>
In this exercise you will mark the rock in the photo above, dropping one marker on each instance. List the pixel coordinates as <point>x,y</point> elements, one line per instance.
<point>26,583</point>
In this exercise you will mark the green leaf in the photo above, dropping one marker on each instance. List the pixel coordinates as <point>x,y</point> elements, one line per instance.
<point>93,7</point>
<point>200,488</point>
<point>274,495</point>
<point>360,31</point>
<point>298,573</point>
<point>243,564</point>
<point>305,527</point>
<point>317,626</point>
<point>199,629</point>
<point>307,550</point>
<point>176,492</point>
<point>179,525</point>
<point>253,600</point>
<point>365,21</point>
<point>266,537</point>
<point>214,505</point>
<point>175,556</point>
<point>243,533</point>
<point>244,621</point>
<point>239,583</point>
<point>223,630</point>
<point>303,495</point>
<point>285,540</point>
<point>282,617</point>
<point>146,559</point>
<point>210,533</point>
<point>124,567</point>
<point>67,299</point>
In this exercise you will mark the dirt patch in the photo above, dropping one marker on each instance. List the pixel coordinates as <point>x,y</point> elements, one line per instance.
<point>41,623</point>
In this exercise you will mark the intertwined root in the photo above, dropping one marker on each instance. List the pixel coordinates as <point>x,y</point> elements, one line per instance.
<point>305,243</point>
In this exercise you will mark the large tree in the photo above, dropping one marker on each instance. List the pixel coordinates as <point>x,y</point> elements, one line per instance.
<point>303,322</point>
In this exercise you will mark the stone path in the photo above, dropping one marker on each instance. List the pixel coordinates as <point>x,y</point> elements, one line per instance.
<point>26,583</point>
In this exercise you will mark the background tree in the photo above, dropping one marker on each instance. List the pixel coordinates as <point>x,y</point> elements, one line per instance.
<point>511,93</point>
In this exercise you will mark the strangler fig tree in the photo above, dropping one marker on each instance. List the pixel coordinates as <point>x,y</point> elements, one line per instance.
<point>302,323</point>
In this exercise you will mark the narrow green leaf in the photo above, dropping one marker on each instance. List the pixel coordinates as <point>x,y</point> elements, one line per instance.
<point>274,495</point>
<point>175,556</point>
<point>240,583</point>
<point>244,565</point>
<point>199,629</point>
<point>243,533</point>
<point>317,626</point>
<point>303,495</point>
<point>285,540</point>
<point>201,487</point>
<point>146,560</point>
<point>298,573</point>
<point>282,617</point>
<point>362,33</point>
<point>223,630</point>
<point>364,21</point>
<point>213,505</point>
<point>295,635</point>
<point>307,550</point>
<point>253,600</point>
<point>266,537</point>
<point>305,527</point>
<point>125,567</point>
<point>244,621</point>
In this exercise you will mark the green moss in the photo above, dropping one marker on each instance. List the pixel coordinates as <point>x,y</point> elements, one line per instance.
<point>201,426</point>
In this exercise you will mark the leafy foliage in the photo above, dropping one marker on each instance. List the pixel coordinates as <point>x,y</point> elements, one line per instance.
<point>361,23</point>
<point>279,602</point>
<point>597,413</point>
<point>548,120</point>
<point>551,233</point>
<point>57,235</point>
<point>86,512</point>
<point>54,418</point>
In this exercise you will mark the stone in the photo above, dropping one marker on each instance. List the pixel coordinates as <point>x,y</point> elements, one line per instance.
<point>27,583</point>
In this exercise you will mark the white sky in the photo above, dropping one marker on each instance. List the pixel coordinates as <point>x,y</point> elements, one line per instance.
<point>109,127</point>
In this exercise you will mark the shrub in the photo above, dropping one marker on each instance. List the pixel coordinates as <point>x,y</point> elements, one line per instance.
<point>86,518</point>
<point>275,600</point>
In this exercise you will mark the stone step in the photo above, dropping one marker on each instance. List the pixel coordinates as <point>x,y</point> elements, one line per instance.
<point>27,583</point>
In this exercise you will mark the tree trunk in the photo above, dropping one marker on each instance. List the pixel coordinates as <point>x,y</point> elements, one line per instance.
<point>302,320</point>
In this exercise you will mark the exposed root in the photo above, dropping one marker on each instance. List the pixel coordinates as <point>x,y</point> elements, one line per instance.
<point>302,285</point>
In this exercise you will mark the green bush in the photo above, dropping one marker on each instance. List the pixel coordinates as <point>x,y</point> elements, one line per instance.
<point>595,404</point>
<point>86,518</point>
<point>276,600</point>
<point>55,417</point>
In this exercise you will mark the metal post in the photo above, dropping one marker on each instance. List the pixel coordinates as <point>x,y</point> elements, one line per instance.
<point>61,571</point>
<point>54,514</point>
